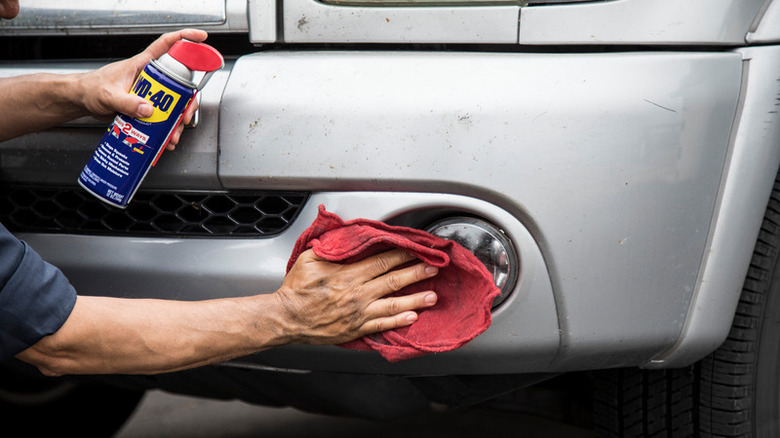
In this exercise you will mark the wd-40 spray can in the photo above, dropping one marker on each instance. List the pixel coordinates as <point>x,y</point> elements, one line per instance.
<point>130,146</point>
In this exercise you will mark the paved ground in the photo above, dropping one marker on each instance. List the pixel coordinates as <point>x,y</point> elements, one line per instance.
<point>170,416</point>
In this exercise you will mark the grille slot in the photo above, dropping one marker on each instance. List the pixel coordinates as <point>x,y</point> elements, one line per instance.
<point>72,210</point>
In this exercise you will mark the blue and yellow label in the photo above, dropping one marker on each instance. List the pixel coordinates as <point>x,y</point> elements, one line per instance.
<point>130,146</point>
<point>162,98</point>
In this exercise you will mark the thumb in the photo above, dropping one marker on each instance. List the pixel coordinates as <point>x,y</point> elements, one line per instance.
<point>134,106</point>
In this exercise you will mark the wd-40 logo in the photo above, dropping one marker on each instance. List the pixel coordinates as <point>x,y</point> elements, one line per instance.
<point>129,135</point>
<point>162,98</point>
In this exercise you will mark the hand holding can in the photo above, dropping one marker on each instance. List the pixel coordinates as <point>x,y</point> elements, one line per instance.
<point>131,146</point>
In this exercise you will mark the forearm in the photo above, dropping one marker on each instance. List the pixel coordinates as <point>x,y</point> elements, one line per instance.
<point>30,103</point>
<point>318,303</point>
<point>106,335</point>
<point>33,102</point>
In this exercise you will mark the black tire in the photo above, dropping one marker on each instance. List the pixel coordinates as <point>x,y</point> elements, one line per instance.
<point>734,392</point>
<point>36,406</point>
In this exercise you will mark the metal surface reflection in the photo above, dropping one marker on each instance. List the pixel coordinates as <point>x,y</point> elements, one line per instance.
<point>489,244</point>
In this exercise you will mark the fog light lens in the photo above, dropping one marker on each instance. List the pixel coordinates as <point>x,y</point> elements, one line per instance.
<point>488,243</point>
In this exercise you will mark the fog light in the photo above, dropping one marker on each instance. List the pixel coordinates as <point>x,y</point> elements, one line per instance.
<point>488,243</point>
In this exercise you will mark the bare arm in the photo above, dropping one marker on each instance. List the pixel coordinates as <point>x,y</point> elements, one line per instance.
<point>31,103</point>
<point>34,102</point>
<point>318,303</point>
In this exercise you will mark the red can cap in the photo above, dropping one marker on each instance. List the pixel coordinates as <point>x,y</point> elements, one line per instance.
<point>196,56</point>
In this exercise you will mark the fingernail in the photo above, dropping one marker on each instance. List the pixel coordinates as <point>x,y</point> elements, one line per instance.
<point>431,298</point>
<point>145,109</point>
<point>431,270</point>
<point>412,317</point>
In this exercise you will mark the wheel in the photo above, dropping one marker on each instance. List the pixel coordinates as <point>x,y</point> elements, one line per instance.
<point>734,392</point>
<point>40,406</point>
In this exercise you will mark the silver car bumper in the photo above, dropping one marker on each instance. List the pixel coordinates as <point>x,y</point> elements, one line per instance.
<point>605,169</point>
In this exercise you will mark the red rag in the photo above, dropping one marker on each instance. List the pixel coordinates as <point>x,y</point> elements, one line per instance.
<point>464,286</point>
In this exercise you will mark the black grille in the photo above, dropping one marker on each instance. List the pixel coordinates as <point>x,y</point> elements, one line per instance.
<point>74,211</point>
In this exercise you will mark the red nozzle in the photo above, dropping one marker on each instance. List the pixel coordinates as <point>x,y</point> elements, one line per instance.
<point>196,56</point>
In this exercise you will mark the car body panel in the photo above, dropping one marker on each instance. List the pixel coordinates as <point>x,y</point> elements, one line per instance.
<point>712,22</point>
<point>321,126</point>
<point>708,22</point>
<point>51,15</point>
<point>747,183</point>
<point>523,336</point>
<point>626,147</point>
<point>766,28</point>
<point>342,121</point>
<point>312,21</point>
<point>107,17</point>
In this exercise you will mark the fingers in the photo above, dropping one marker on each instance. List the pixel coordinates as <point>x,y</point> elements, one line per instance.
<point>105,90</point>
<point>165,41</point>
<point>189,113</point>
<point>383,262</point>
<point>396,280</point>
<point>175,137</point>
<point>400,305</point>
<point>9,10</point>
<point>132,105</point>
<point>387,323</point>
<point>327,303</point>
<point>392,313</point>
<point>377,274</point>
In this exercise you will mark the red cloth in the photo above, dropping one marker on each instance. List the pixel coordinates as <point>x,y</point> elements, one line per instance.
<point>464,286</point>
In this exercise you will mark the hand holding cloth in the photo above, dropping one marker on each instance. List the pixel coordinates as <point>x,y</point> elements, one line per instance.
<point>464,287</point>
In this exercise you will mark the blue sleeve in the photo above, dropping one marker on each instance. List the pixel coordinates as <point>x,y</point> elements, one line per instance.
<point>35,297</point>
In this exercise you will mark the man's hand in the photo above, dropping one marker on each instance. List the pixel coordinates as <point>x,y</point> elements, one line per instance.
<point>327,303</point>
<point>105,91</point>
<point>31,103</point>
<point>319,303</point>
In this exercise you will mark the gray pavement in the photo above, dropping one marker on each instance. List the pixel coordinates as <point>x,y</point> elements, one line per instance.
<point>171,416</point>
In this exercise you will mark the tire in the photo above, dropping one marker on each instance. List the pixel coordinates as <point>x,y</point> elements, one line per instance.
<point>34,405</point>
<point>734,392</point>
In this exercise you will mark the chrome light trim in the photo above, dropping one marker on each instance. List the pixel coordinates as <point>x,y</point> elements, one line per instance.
<point>53,14</point>
<point>489,244</point>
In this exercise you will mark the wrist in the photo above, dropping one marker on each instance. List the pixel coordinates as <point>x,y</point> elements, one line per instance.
<point>60,96</point>
<point>287,325</point>
<point>266,318</point>
<point>76,89</point>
